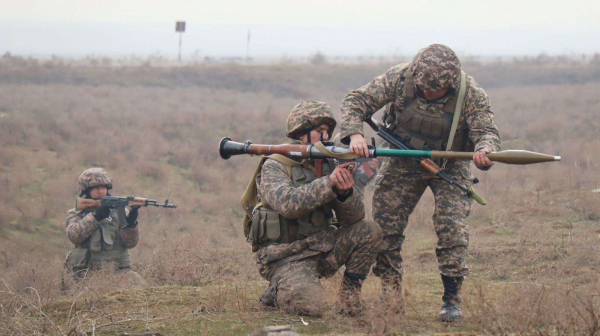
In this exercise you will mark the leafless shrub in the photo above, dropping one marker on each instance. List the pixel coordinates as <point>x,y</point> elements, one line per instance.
<point>156,130</point>
<point>538,310</point>
<point>318,59</point>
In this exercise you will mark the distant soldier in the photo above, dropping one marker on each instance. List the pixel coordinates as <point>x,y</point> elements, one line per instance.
<point>96,234</point>
<point>422,98</point>
<point>307,226</point>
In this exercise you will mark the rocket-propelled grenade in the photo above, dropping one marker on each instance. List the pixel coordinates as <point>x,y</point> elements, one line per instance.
<point>227,148</point>
<point>520,157</point>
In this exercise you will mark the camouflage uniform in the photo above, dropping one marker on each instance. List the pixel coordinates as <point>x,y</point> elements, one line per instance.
<point>313,248</point>
<point>401,182</point>
<point>97,242</point>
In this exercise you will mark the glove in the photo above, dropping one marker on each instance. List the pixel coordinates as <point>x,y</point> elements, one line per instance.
<point>101,213</point>
<point>132,217</point>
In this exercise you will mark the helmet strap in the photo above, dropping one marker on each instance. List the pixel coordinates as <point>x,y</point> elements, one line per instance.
<point>309,136</point>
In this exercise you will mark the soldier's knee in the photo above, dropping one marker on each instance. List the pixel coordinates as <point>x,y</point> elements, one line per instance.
<point>131,278</point>
<point>371,229</point>
<point>307,301</point>
<point>309,307</point>
<point>375,230</point>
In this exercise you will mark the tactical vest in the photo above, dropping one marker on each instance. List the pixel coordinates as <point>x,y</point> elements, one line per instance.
<point>421,128</point>
<point>268,227</point>
<point>104,245</point>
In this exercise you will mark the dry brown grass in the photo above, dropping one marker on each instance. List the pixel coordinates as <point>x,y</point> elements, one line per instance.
<point>533,255</point>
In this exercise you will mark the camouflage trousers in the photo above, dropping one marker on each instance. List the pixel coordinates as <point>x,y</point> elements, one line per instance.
<point>398,188</point>
<point>294,283</point>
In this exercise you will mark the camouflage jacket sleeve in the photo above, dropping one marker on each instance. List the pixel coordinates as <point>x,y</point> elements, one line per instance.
<point>129,236</point>
<point>277,189</point>
<point>362,103</point>
<point>480,118</point>
<point>80,226</point>
<point>351,210</point>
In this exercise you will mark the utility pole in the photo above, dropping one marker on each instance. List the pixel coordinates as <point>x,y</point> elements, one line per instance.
<point>180,28</point>
<point>248,48</point>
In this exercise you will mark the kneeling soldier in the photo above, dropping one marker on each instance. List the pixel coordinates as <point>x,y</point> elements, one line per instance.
<point>96,234</point>
<point>294,228</point>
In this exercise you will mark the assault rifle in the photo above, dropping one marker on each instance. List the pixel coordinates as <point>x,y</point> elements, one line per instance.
<point>227,148</point>
<point>119,203</point>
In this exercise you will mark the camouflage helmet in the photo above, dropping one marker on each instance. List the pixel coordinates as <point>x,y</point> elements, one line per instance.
<point>436,67</point>
<point>94,177</point>
<point>308,115</point>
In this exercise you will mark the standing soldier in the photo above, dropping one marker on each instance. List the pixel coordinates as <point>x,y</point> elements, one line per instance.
<point>294,228</point>
<point>422,97</point>
<point>96,234</point>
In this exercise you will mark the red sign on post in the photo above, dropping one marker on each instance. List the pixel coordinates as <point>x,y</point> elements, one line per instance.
<point>180,26</point>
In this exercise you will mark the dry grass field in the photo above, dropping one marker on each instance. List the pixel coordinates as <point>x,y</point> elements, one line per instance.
<point>534,256</point>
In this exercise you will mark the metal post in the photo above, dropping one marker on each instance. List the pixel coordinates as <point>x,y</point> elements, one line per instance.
<point>180,34</point>
<point>180,28</point>
<point>248,47</point>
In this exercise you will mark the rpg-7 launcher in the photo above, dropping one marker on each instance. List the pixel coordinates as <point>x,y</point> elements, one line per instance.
<point>320,150</point>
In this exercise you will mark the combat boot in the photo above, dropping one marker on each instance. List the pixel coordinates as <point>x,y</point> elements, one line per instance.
<point>349,294</point>
<point>451,309</point>
<point>268,299</point>
<point>392,294</point>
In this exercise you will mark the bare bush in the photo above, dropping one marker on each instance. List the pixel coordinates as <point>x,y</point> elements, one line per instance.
<point>156,130</point>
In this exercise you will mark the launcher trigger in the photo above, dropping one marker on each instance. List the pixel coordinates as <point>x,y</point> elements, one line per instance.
<point>373,141</point>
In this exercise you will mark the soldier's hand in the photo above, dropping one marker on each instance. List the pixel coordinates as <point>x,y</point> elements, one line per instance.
<point>133,215</point>
<point>341,178</point>
<point>101,213</point>
<point>358,145</point>
<point>481,161</point>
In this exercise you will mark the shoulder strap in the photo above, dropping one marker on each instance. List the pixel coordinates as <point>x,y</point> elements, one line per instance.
<point>345,156</point>
<point>457,110</point>
<point>249,199</point>
<point>289,163</point>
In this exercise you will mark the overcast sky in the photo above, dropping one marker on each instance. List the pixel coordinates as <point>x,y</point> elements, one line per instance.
<point>297,28</point>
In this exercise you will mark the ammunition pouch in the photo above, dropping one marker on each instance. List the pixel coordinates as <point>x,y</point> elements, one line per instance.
<point>265,227</point>
<point>103,239</point>
<point>315,221</point>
